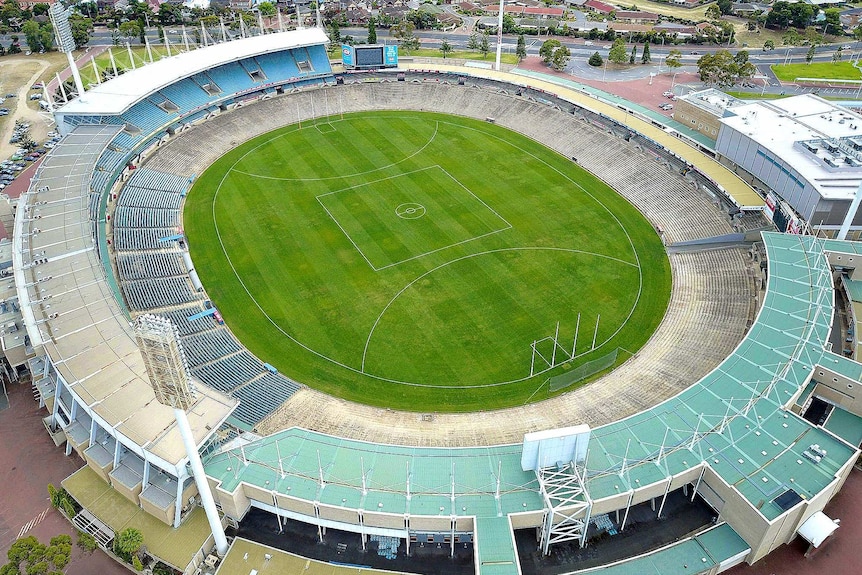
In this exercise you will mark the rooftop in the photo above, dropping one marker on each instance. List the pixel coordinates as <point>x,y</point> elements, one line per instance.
<point>778,126</point>
<point>69,309</point>
<point>118,95</point>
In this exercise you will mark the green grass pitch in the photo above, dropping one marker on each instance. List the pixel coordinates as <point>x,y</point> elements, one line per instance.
<point>410,260</point>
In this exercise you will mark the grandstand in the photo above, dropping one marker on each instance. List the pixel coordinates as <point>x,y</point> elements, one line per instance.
<point>736,436</point>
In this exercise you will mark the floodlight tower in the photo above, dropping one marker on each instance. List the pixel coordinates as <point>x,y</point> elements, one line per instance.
<point>59,15</point>
<point>168,372</point>
<point>499,36</point>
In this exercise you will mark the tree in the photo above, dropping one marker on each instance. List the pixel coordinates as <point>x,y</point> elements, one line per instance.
<point>673,59</point>
<point>646,58</point>
<point>40,9</point>
<point>32,35</point>
<point>832,22</point>
<point>723,69</point>
<point>617,54</point>
<point>130,29</point>
<point>857,32</point>
<point>86,542</point>
<point>837,54</point>
<point>266,8</point>
<point>473,41</point>
<point>713,12</point>
<point>171,14</point>
<point>547,49</point>
<point>334,32</point>
<point>82,28</point>
<point>509,26</point>
<point>484,44</point>
<point>560,59</point>
<point>403,31</point>
<point>726,6</point>
<point>37,558</point>
<point>768,45</point>
<point>596,60</point>
<point>128,542</point>
<point>372,31</point>
<point>634,54</point>
<point>810,54</point>
<point>521,50</point>
<point>446,48</point>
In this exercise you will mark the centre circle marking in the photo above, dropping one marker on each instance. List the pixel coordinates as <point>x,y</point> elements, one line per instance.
<point>410,211</point>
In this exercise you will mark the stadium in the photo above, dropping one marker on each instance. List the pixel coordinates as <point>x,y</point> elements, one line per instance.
<point>712,404</point>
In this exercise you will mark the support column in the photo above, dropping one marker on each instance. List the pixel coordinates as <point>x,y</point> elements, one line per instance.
<point>851,213</point>
<point>200,477</point>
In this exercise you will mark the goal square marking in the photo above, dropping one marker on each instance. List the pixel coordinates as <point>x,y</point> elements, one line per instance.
<point>410,215</point>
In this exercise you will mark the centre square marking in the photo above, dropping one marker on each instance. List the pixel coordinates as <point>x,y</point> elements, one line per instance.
<point>372,216</point>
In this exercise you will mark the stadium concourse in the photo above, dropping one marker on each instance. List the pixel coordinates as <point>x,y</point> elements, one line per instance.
<point>712,407</point>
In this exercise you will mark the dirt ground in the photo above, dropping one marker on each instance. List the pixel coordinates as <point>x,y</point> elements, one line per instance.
<point>17,74</point>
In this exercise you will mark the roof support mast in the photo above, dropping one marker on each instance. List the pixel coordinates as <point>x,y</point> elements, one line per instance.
<point>851,213</point>
<point>499,36</point>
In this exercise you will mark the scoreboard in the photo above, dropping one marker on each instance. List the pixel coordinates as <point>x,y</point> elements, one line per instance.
<point>369,56</point>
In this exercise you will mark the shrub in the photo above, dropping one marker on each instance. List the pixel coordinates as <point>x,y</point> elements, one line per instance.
<point>596,60</point>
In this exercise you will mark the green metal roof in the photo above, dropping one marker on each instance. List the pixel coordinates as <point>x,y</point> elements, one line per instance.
<point>845,425</point>
<point>732,419</point>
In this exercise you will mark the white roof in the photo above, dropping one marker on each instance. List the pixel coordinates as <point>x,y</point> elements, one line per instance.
<point>119,94</point>
<point>778,124</point>
<point>817,528</point>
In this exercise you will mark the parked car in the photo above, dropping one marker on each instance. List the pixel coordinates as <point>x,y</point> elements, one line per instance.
<point>667,94</point>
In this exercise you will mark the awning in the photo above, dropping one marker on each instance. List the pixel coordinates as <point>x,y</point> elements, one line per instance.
<point>817,528</point>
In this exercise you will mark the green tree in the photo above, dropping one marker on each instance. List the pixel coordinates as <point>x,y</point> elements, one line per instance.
<point>832,22</point>
<point>809,56</point>
<point>723,69</point>
<point>521,50</point>
<point>40,9</point>
<point>560,59</point>
<point>36,558</point>
<point>86,542</point>
<point>617,54</point>
<point>596,60</point>
<point>334,32</point>
<point>32,35</point>
<point>136,563</point>
<point>646,58</point>
<point>768,45</point>
<point>403,31</point>
<point>634,54</point>
<point>372,31</point>
<point>713,12</point>
<point>82,28</point>
<point>509,26</point>
<point>445,48</point>
<point>473,41</point>
<point>857,32</point>
<point>547,49</point>
<point>130,29</point>
<point>673,59</point>
<point>266,8</point>
<point>725,6</point>
<point>484,44</point>
<point>129,541</point>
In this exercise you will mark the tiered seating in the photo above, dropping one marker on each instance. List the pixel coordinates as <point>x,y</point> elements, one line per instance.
<point>143,265</point>
<point>180,316</point>
<point>227,373</point>
<point>263,395</point>
<point>151,294</point>
<point>278,65</point>
<point>146,116</point>
<point>319,60</point>
<point>138,239</point>
<point>131,217</point>
<point>209,346</point>
<point>231,78</point>
<point>186,94</point>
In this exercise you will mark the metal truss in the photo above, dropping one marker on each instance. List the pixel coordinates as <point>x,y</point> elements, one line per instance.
<point>567,504</point>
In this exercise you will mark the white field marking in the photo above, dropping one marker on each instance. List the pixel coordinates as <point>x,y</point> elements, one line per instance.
<point>381,168</point>
<point>406,287</point>
<point>325,124</point>
<point>33,523</point>
<point>353,369</point>
<point>595,199</point>
<point>411,258</point>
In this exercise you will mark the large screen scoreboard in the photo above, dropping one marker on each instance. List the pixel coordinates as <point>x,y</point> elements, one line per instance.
<point>369,56</point>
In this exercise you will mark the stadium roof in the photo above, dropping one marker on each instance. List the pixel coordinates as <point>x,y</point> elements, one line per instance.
<point>777,126</point>
<point>118,95</point>
<point>70,310</point>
